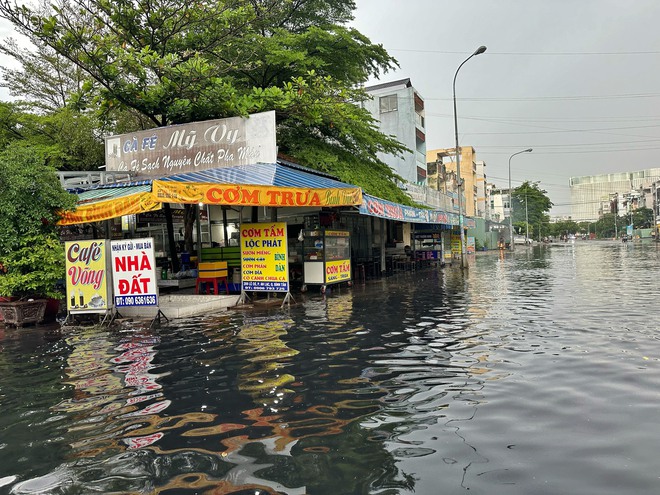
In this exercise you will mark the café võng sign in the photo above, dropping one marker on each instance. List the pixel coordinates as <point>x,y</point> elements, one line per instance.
<point>87,276</point>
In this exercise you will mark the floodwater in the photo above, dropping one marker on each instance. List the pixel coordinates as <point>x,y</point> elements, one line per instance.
<point>534,372</point>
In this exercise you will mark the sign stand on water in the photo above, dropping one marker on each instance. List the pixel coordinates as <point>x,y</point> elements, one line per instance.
<point>134,274</point>
<point>264,259</point>
<point>87,282</point>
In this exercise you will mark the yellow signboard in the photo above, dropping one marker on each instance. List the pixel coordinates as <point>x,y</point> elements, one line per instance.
<point>264,260</point>
<point>249,195</point>
<point>337,271</point>
<point>337,233</point>
<point>456,244</point>
<point>87,276</point>
<point>111,208</point>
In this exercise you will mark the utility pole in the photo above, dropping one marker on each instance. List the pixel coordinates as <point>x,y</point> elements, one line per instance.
<point>526,220</point>
<point>655,211</point>
<point>615,210</point>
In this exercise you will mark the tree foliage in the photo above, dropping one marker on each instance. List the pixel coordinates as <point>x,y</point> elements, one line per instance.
<point>642,218</point>
<point>66,139</point>
<point>530,207</point>
<point>563,228</point>
<point>30,196</point>
<point>174,62</point>
<point>30,199</point>
<point>44,79</point>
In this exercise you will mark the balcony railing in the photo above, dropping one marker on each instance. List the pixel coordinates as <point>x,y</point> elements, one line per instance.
<point>430,197</point>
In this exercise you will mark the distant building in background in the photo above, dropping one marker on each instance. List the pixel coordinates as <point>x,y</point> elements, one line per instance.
<point>471,180</point>
<point>499,203</point>
<point>399,109</point>
<point>594,195</point>
<point>483,193</point>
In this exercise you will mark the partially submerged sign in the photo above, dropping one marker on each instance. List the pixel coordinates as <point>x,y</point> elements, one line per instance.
<point>87,276</point>
<point>134,272</point>
<point>182,148</point>
<point>264,262</point>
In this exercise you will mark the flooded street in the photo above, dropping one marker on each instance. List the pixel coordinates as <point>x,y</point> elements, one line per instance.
<point>534,372</point>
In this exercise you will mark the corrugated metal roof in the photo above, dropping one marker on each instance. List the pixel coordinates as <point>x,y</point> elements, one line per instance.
<point>260,174</point>
<point>95,195</point>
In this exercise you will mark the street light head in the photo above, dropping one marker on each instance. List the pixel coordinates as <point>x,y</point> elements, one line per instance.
<point>479,50</point>
<point>528,150</point>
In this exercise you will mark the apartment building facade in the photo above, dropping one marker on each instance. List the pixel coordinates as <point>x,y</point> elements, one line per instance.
<point>592,195</point>
<point>469,174</point>
<point>399,109</point>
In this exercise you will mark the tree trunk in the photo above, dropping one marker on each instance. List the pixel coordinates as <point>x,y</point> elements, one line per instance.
<point>188,225</point>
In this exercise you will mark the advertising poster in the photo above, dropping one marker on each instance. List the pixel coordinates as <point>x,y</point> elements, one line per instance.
<point>87,276</point>
<point>134,272</point>
<point>456,244</point>
<point>337,271</point>
<point>470,245</point>
<point>264,261</point>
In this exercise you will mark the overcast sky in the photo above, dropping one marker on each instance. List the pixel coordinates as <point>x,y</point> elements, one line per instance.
<point>576,80</point>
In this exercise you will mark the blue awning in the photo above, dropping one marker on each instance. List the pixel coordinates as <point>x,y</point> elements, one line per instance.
<point>98,194</point>
<point>382,208</point>
<point>261,174</point>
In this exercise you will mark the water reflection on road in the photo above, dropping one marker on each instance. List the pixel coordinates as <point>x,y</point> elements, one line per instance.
<point>501,379</point>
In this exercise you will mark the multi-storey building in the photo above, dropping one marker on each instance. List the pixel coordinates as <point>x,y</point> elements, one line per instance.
<point>399,109</point>
<point>483,192</point>
<point>469,175</point>
<point>499,201</point>
<point>592,195</point>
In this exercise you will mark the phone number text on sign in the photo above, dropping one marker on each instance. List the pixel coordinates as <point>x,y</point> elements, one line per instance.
<point>135,300</point>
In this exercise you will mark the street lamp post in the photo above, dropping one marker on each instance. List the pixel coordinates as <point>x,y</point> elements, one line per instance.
<point>478,51</point>
<point>528,150</point>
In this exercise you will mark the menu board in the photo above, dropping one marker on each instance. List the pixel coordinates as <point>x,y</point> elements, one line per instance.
<point>264,257</point>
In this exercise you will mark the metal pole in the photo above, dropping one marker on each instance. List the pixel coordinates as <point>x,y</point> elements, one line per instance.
<point>528,150</point>
<point>526,220</point>
<point>655,211</point>
<point>464,264</point>
<point>616,214</point>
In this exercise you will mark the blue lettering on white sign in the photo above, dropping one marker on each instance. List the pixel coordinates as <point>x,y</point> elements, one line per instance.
<point>141,300</point>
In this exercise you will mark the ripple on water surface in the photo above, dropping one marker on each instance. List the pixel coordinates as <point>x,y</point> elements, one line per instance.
<point>533,372</point>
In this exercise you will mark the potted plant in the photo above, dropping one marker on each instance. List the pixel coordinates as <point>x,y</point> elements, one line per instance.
<point>31,254</point>
<point>32,274</point>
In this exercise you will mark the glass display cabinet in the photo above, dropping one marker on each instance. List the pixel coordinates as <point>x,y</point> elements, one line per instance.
<point>326,257</point>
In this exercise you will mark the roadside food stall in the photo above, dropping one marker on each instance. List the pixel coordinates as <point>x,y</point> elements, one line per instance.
<point>222,164</point>
<point>327,257</point>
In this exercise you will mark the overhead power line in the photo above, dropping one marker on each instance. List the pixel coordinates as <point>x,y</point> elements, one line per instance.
<point>552,98</point>
<point>533,54</point>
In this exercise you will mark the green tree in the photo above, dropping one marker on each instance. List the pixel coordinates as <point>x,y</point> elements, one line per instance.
<point>564,227</point>
<point>174,62</point>
<point>530,207</point>
<point>30,197</point>
<point>605,226</point>
<point>642,218</point>
<point>66,139</point>
<point>43,79</point>
<point>30,200</point>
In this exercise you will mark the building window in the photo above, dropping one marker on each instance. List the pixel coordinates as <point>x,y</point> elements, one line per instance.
<point>388,104</point>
